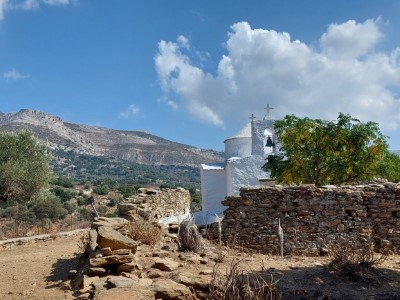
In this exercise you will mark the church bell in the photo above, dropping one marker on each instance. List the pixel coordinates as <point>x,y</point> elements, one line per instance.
<point>270,143</point>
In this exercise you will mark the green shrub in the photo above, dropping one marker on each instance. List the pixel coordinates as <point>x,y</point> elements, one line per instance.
<point>62,193</point>
<point>48,206</point>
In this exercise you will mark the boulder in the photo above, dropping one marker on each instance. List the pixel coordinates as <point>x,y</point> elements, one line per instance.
<point>168,289</point>
<point>111,260</point>
<point>166,264</point>
<point>119,282</point>
<point>120,224</point>
<point>109,237</point>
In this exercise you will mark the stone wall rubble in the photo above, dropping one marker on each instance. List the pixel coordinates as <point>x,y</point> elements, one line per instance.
<point>312,217</point>
<point>156,204</point>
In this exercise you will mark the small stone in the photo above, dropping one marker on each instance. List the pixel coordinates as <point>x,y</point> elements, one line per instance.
<point>166,264</point>
<point>204,261</point>
<point>106,251</point>
<point>206,272</point>
<point>119,282</point>
<point>72,273</point>
<point>85,296</point>
<point>161,254</point>
<point>65,286</point>
<point>96,271</point>
<point>122,252</point>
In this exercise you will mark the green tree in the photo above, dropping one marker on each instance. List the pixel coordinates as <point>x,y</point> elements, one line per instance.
<point>330,152</point>
<point>24,166</point>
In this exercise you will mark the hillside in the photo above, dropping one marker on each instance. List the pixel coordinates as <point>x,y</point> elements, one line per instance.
<point>134,146</point>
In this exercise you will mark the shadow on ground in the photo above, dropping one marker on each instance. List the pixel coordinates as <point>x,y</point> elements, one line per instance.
<point>59,271</point>
<point>319,283</point>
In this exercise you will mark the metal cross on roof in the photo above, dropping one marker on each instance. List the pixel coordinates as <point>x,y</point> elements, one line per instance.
<point>268,115</point>
<point>252,117</point>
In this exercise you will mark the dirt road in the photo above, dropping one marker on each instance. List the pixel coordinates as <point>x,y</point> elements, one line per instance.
<point>37,271</point>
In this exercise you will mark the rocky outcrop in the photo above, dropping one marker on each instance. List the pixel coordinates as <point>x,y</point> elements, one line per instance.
<point>137,146</point>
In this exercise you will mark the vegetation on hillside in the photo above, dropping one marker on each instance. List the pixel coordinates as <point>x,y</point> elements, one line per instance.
<point>331,152</point>
<point>86,167</point>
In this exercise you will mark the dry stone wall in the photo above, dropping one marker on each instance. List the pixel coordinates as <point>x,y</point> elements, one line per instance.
<point>156,204</point>
<point>312,218</point>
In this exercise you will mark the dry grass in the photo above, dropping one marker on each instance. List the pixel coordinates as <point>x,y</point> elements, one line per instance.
<point>355,260</point>
<point>241,283</point>
<point>189,238</point>
<point>83,244</point>
<point>145,231</point>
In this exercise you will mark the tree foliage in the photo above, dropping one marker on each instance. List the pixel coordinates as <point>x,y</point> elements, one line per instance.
<point>24,166</point>
<point>330,152</point>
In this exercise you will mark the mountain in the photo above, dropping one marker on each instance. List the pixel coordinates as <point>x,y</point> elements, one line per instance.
<point>135,146</point>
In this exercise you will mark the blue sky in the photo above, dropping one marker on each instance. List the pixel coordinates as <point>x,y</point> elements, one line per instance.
<point>194,71</point>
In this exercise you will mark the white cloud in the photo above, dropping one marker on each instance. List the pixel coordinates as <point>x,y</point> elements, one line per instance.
<point>6,5</point>
<point>132,111</point>
<point>173,104</point>
<point>15,75</point>
<point>346,73</point>
<point>57,2</point>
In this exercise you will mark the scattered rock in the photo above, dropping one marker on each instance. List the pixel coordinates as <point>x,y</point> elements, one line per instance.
<point>170,290</point>
<point>166,264</point>
<point>106,251</point>
<point>119,282</point>
<point>111,260</point>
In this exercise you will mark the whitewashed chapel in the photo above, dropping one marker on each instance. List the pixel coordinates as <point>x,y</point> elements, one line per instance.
<point>245,153</point>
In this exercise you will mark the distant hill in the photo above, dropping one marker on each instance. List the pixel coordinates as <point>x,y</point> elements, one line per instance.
<point>133,146</point>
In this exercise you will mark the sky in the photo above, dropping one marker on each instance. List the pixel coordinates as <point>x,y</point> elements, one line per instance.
<point>194,71</point>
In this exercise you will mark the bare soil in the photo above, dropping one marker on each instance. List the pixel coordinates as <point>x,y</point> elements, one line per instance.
<point>40,271</point>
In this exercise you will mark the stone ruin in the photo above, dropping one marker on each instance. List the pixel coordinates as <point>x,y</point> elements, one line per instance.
<point>163,205</point>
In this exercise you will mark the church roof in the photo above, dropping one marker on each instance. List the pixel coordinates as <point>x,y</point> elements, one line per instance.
<point>242,133</point>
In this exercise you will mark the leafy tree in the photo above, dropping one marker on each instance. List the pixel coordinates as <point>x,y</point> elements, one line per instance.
<point>330,152</point>
<point>24,166</point>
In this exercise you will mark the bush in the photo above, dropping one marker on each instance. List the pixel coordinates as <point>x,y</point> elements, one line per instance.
<point>355,259</point>
<point>63,194</point>
<point>63,181</point>
<point>101,190</point>
<point>189,238</point>
<point>145,231</point>
<point>48,206</point>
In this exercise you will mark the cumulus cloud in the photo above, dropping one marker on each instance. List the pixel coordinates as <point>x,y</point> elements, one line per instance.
<point>132,111</point>
<point>15,75</point>
<point>344,73</point>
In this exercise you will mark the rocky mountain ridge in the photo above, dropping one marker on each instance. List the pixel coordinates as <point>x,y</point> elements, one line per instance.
<point>136,146</point>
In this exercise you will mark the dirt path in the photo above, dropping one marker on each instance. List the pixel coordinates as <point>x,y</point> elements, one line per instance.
<point>38,270</point>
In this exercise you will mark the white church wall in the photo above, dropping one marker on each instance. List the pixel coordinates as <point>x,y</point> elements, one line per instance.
<point>213,190</point>
<point>238,147</point>
<point>245,172</point>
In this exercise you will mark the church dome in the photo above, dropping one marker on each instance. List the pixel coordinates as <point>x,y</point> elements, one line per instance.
<point>239,145</point>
